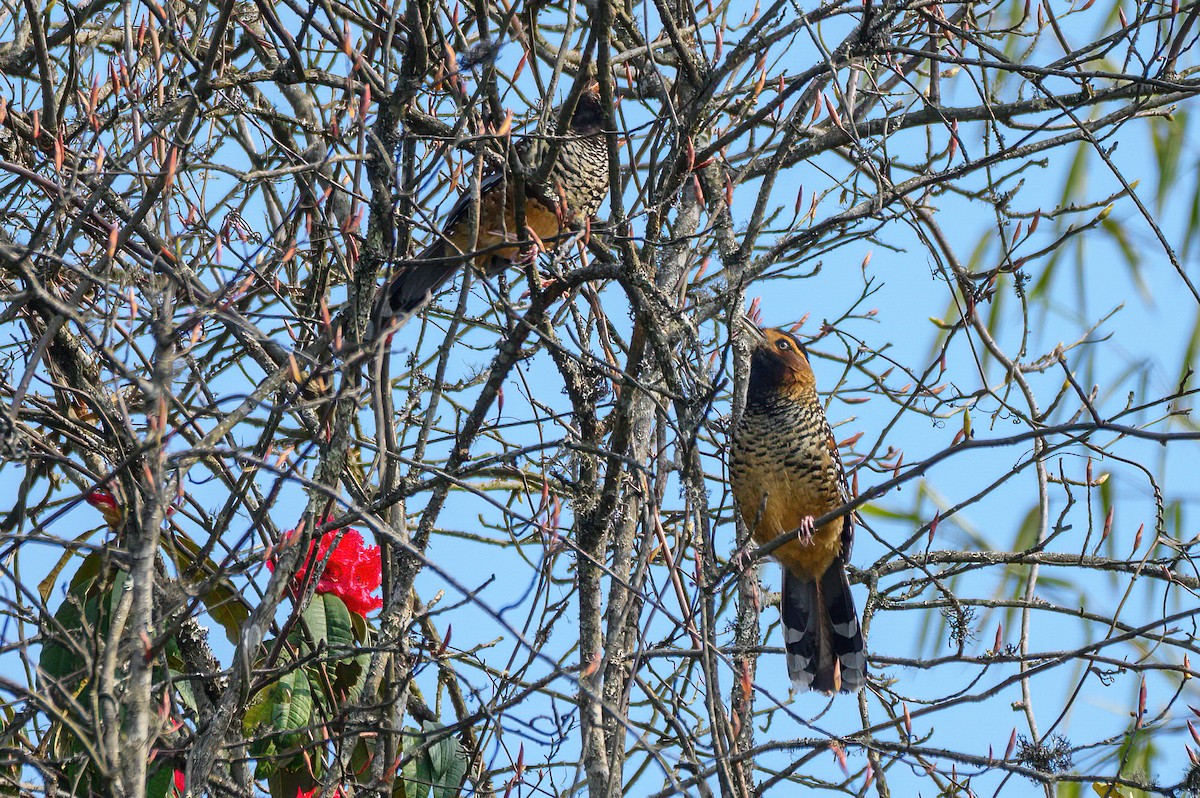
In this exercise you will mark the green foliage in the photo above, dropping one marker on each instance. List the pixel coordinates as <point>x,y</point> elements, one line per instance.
<point>291,721</point>
<point>1167,137</point>
<point>326,621</point>
<point>434,770</point>
<point>219,595</point>
<point>279,721</point>
<point>161,783</point>
<point>68,667</point>
<point>81,620</point>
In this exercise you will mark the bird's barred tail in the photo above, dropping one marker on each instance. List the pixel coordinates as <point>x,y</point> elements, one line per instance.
<point>414,284</point>
<point>825,649</point>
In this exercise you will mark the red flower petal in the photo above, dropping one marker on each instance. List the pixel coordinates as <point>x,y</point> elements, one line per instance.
<point>301,793</point>
<point>106,503</point>
<point>352,572</point>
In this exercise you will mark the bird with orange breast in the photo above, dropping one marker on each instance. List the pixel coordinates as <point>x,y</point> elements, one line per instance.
<point>785,472</point>
<point>483,231</point>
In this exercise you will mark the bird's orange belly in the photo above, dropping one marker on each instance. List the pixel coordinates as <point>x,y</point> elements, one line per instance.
<point>498,236</point>
<point>788,503</point>
<point>813,559</point>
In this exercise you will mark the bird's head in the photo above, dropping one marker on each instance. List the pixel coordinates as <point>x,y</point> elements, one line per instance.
<point>588,119</point>
<point>779,365</point>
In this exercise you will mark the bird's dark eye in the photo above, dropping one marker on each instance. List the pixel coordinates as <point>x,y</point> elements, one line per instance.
<point>783,346</point>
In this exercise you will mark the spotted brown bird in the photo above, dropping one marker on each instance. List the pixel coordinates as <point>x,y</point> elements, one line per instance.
<point>785,472</point>
<point>566,195</point>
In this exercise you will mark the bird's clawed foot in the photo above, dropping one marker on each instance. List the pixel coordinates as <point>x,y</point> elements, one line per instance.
<point>804,533</point>
<point>543,282</point>
<point>527,256</point>
<point>741,559</point>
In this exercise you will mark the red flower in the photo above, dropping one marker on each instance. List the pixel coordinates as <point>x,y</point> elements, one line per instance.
<point>301,793</point>
<point>106,503</point>
<point>352,572</point>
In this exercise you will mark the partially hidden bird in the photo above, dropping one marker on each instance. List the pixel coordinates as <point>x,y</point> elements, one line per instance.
<point>785,472</point>
<point>568,194</point>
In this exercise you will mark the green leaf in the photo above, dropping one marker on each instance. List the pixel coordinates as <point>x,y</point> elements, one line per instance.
<point>449,783</point>
<point>339,627</point>
<point>161,783</point>
<point>60,662</point>
<point>1070,789</point>
<point>448,763</point>
<point>287,783</point>
<point>277,716</point>
<point>349,675</point>
<point>430,768</point>
<point>418,776</point>
<point>362,631</point>
<point>223,601</point>
<point>81,618</point>
<point>87,569</point>
<point>311,630</point>
<point>10,774</point>
<point>1167,137</point>
<point>326,620</point>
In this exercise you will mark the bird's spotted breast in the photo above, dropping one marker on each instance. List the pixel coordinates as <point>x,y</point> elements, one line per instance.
<point>783,471</point>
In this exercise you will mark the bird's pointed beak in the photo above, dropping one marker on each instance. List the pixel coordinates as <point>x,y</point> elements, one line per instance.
<point>750,327</point>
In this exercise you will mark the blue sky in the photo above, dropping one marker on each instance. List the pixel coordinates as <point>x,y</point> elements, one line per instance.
<point>1143,328</point>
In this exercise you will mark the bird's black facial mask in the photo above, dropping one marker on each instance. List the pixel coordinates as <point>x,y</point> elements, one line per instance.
<point>779,363</point>
<point>588,119</point>
<point>767,372</point>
